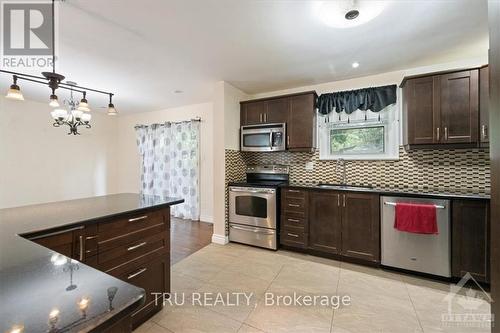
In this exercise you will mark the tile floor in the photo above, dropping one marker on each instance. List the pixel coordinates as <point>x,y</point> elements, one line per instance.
<point>381,301</point>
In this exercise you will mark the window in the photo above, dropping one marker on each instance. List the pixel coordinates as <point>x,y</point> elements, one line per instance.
<point>360,135</point>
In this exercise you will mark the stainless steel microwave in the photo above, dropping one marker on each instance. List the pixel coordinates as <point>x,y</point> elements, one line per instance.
<point>266,137</point>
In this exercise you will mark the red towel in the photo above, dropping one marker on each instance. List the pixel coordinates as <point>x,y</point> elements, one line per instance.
<point>416,218</point>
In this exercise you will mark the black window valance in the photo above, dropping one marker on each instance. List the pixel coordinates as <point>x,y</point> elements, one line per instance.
<point>374,99</point>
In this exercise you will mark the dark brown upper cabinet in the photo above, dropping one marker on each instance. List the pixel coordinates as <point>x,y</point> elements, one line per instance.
<point>298,111</point>
<point>470,239</point>
<point>441,109</point>
<point>484,96</point>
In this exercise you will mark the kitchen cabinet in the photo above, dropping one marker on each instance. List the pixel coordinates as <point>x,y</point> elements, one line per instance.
<point>325,225</point>
<point>252,113</point>
<point>301,128</point>
<point>441,109</point>
<point>340,223</point>
<point>470,239</point>
<point>298,111</point>
<point>484,115</point>
<point>294,218</point>
<point>361,226</point>
<point>133,247</point>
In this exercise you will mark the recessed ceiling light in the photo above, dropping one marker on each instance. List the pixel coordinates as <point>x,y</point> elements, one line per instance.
<point>178,91</point>
<point>348,13</point>
<point>355,64</point>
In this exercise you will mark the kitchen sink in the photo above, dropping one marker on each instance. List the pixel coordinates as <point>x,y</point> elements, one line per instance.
<point>344,187</point>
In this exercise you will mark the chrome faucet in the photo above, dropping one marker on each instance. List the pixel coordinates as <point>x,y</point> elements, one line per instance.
<point>341,164</point>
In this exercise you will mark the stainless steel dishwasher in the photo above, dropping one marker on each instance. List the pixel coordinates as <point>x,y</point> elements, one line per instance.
<point>416,252</point>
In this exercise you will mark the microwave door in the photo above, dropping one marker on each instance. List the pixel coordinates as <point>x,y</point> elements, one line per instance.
<point>256,141</point>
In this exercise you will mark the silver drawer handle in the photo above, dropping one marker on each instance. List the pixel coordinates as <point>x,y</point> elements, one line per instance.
<point>139,272</point>
<point>91,237</point>
<point>257,231</point>
<point>292,235</point>
<point>294,191</point>
<point>293,220</point>
<point>136,246</point>
<point>138,218</point>
<point>293,205</point>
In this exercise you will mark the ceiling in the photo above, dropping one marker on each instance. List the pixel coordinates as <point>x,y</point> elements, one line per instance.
<point>145,50</point>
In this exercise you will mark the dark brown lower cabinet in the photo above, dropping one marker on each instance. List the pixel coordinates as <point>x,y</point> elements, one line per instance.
<point>470,239</point>
<point>361,226</point>
<point>133,247</point>
<point>325,221</point>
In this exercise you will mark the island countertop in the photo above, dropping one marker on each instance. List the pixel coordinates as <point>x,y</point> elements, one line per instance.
<point>32,285</point>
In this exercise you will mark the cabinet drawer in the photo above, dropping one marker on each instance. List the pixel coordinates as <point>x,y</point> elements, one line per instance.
<point>294,193</point>
<point>293,237</point>
<point>107,260</point>
<point>292,220</point>
<point>129,224</point>
<point>136,235</point>
<point>294,204</point>
<point>91,240</point>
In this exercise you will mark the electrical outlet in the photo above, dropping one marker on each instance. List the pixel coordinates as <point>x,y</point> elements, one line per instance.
<point>309,165</point>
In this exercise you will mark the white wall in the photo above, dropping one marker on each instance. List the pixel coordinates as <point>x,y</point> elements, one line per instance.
<point>128,171</point>
<point>40,163</point>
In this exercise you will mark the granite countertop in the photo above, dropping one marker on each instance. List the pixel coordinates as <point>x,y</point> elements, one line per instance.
<point>394,191</point>
<point>35,280</point>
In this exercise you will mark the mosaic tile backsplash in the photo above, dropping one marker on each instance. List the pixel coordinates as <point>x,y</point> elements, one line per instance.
<point>453,170</point>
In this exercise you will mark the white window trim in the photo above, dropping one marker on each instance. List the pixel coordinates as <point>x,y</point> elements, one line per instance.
<point>392,137</point>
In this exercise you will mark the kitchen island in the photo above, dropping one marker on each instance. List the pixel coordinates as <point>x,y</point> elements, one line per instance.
<point>75,280</point>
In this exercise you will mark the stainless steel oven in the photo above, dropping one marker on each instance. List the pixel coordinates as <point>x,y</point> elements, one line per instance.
<point>252,206</point>
<point>268,137</point>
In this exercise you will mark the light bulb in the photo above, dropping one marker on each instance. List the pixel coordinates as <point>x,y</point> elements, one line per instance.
<point>15,93</point>
<point>83,105</point>
<point>111,110</point>
<point>86,117</point>
<point>53,101</point>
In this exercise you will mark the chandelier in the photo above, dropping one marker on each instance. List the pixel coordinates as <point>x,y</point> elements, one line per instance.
<point>79,112</point>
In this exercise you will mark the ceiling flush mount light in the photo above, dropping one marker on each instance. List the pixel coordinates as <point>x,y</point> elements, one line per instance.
<point>348,13</point>
<point>355,64</point>
<point>14,91</point>
<point>78,114</point>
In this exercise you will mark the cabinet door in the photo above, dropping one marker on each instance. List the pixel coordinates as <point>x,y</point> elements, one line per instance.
<point>460,107</point>
<point>252,113</point>
<point>470,239</point>
<point>484,96</point>
<point>61,242</point>
<point>301,124</point>
<point>422,113</point>
<point>361,226</point>
<point>277,111</point>
<point>325,221</point>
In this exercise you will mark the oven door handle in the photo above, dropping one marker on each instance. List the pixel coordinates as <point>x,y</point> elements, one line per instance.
<point>257,231</point>
<point>252,191</point>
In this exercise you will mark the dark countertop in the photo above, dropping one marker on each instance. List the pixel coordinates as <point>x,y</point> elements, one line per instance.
<point>426,193</point>
<point>32,285</point>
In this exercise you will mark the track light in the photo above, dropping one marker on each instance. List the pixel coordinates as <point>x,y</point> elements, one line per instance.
<point>84,104</point>
<point>14,91</point>
<point>111,107</point>
<point>53,100</point>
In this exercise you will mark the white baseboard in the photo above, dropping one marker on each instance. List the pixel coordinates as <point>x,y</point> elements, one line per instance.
<point>206,218</point>
<point>220,239</point>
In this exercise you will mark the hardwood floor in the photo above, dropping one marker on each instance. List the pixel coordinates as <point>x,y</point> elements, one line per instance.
<point>187,237</point>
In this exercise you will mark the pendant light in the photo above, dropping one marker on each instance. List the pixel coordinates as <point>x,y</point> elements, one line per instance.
<point>53,100</point>
<point>84,104</point>
<point>14,91</point>
<point>111,107</point>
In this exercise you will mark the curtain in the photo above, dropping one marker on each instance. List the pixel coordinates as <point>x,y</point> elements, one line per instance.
<point>374,99</point>
<point>170,164</point>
